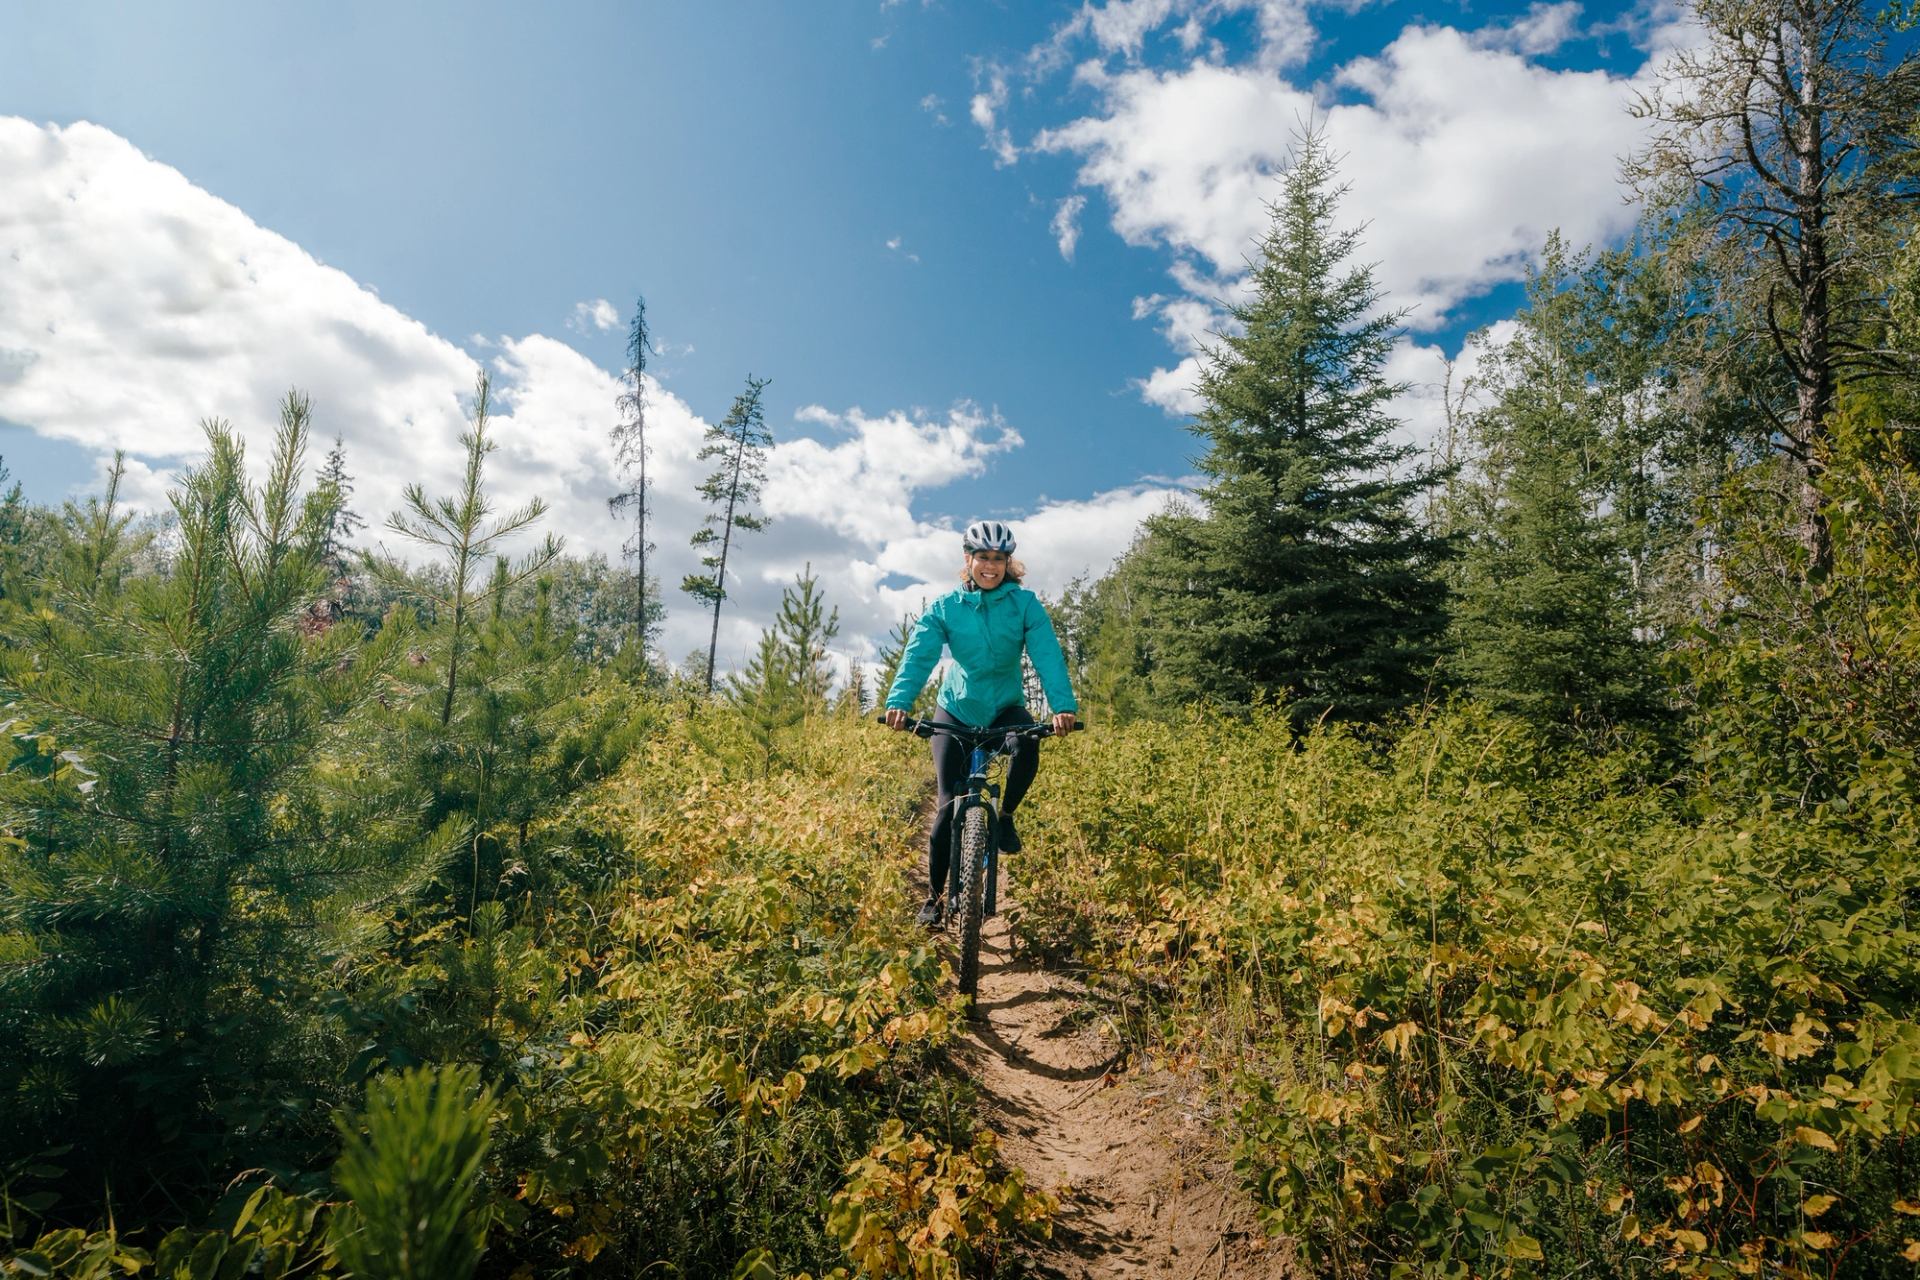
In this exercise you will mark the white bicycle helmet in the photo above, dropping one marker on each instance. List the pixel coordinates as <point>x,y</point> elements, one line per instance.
<point>988,535</point>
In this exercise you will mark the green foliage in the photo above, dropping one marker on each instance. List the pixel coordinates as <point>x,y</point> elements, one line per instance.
<point>1486,1005</point>
<point>1808,696</point>
<point>1307,575</point>
<point>459,528</point>
<point>1544,615</point>
<point>272,1236</point>
<point>19,549</point>
<point>1107,634</point>
<point>411,1166</point>
<point>171,849</point>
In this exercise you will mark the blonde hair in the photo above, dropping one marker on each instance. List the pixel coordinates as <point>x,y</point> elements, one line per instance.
<point>1015,571</point>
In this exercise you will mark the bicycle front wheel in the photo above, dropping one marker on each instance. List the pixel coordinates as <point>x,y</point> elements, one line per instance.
<point>975,831</point>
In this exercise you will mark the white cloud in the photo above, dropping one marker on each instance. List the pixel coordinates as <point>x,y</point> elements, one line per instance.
<point>1543,28</point>
<point>896,244</point>
<point>934,106</point>
<point>1122,28</point>
<point>136,304</point>
<point>1174,390</point>
<point>1066,224</point>
<point>1083,539</point>
<point>598,314</point>
<point>1460,157</point>
<point>1461,153</point>
<point>985,108</point>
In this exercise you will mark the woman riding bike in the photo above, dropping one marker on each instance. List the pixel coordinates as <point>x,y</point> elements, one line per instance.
<point>985,625</point>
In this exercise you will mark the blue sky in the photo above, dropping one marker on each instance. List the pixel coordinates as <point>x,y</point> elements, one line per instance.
<point>935,226</point>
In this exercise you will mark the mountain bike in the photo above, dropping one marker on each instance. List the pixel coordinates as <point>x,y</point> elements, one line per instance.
<point>973,869</point>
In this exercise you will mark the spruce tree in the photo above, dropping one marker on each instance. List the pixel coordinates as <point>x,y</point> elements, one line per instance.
<point>346,522</point>
<point>768,695</point>
<point>630,454</point>
<point>740,442</point>
<point>1544,607</point>
<point>1307,575</point>
<point>805,628</point>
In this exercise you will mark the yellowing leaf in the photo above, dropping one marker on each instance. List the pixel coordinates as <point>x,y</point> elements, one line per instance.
<point>1817,1205</point>
<point>1814,1138</point>
<point>1691,1241</point>
<point>1907,1207</point>
<point>1525,1247</point>
<point>1688,1126</point>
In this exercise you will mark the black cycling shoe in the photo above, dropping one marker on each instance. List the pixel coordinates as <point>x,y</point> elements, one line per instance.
<point>1009,838</point>
<point>929,913</point>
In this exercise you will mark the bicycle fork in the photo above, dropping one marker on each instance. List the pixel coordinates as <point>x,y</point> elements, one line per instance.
<point>980,794</point>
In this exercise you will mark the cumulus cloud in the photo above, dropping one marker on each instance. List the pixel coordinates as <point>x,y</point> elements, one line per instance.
<point>896,244</point>
<point>1460,150</point>
<point>598,315</point>
<point>136,304</point>
<point>1461,158</point>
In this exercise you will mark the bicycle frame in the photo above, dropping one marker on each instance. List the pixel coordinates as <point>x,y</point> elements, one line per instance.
<point>981,793</point>
<point>973,892</point>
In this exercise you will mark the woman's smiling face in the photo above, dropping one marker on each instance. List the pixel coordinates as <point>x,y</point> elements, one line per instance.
<point>988,568</point>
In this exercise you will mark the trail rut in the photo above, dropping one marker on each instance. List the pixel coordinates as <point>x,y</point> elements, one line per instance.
<point>1144,1188</point>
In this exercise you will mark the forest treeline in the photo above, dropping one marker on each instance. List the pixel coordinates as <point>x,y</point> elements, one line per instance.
<point>1518,831</point>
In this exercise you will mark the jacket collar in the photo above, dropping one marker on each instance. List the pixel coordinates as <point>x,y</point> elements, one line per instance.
<point>979,599</point>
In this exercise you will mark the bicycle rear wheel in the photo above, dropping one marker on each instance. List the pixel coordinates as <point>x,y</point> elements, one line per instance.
<point>975,831</point>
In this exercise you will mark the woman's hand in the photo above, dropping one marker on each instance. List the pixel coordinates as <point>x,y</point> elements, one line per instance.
<point>1063,723</point>
<point>896,719</point>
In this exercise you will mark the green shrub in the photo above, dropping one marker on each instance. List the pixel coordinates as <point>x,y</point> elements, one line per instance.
<point>411,1165</point>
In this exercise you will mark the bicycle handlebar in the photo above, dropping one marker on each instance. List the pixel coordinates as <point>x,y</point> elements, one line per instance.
<point>927,728</point>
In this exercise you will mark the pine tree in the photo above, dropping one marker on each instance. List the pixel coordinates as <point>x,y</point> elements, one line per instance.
<point>804,629</point>
<point>893,652</point>
<point>346,521</point>
<point>630,453</point>
<point>174,847</point>
<point>459,529</point>
<point>97,543</point>
<point>1307,575</point>
<point>1544,610</point>
<point>16,536</point>
<point>769,695</point>
<point>740,442</point>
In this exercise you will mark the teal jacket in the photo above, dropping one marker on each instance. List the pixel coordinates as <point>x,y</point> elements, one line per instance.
<point>985,631</point>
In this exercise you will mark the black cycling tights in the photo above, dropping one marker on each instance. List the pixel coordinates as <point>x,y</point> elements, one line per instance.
<point>950,760</point>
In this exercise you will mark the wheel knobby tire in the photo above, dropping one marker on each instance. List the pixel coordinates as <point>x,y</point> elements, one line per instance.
<point>971,907</point>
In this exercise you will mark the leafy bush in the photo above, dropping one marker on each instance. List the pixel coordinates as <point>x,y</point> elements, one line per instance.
<point>1486,1005</point>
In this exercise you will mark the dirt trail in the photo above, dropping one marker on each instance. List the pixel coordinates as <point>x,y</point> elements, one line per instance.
<point>1144,1188</point>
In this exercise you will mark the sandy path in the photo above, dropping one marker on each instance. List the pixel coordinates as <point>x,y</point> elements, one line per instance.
<point>1144,1187</point>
